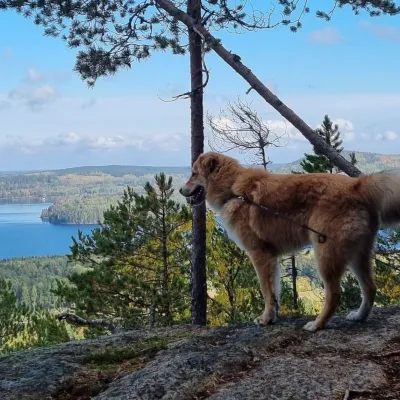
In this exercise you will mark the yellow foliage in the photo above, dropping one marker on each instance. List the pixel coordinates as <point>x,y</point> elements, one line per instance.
<point>85,179</point>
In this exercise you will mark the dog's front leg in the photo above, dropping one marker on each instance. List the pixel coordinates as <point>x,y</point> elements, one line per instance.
<point>266,266</point>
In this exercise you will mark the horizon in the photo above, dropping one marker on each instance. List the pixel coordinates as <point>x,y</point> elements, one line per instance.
<point>164,166</point>
<point>52,120</point>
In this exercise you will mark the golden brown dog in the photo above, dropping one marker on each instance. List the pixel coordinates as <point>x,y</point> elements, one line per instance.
<point>347,212</point>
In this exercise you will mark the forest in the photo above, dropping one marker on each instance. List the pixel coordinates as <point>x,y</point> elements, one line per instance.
<point>80,181</point>
<point>34,278</point>
<point>80,195</point>
<point>134,271</point>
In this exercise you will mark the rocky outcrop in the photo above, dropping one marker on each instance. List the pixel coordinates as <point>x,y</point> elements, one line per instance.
<point>348,360</point>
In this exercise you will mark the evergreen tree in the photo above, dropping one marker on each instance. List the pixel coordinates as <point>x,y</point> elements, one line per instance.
<point>136,263</point>
<point>330,133</point>
<point>34,297</point>
<point>22,328</point>
<point>13,317</point>
<point>166,247</point>
<point>234,294</point>
<point>387,264</point>
<point>317,162</point>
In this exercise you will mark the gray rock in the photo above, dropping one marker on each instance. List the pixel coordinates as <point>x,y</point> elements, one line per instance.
<point>235,362</point>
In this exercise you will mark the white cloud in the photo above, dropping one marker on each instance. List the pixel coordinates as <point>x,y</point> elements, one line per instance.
<point>346,128</point>
<point>81,142</point>
<point>33,97</point>
<point>63,139</point>
<point>108,142</point>
<point>223,123</point>
<point>284,128</point>
<point>34,76</point>
<point>386,32</point>
<point>348,136</point>
<point>387,136</point>
<point>165,142</point>
<point>344,124</point>
<point>144,130</point>
<point>74,142</point>
<point>326,35</point>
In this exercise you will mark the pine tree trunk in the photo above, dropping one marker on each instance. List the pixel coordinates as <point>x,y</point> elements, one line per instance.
<point>294,283</point>
<point>199,284</point>
<point>165,289</point>
<point>234,61</point>
<point>152,317</point>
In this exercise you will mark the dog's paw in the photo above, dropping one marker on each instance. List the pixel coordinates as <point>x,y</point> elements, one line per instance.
<point>260,321</point>
<point>311,326</point>
<point>354,316</point>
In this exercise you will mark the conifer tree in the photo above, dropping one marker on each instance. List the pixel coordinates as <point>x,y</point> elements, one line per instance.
<point>137,261</point>
<point>166,247</point>
<point>234,292</point>
<point>13,317</point>
<point>330,133</point>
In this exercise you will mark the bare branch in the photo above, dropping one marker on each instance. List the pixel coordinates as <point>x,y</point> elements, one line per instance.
<point>243,129</point>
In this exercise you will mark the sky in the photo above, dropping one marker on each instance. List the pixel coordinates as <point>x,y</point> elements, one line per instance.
<point>49,117</point>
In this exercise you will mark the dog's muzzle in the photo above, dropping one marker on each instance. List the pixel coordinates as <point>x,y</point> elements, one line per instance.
<point>195,197</point>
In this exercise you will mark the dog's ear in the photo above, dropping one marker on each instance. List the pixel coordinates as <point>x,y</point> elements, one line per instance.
<point>209,165</point>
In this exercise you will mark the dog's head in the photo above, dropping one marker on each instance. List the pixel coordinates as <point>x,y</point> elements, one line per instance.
<point>204,168</point>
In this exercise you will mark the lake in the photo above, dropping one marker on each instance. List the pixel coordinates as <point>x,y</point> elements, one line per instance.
<point>23,234</point>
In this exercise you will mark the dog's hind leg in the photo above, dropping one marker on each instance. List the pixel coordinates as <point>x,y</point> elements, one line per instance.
<point>268,272</point>
<point>362,269</point>
<point>331,265</point>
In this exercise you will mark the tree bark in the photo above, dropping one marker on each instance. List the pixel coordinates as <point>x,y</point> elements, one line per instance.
<point>199,283</point>
<point>75,319</point>
<point>294,283</point>
<point>234,61</point>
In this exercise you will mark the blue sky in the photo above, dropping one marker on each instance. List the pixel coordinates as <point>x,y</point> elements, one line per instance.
<point>346,68</point>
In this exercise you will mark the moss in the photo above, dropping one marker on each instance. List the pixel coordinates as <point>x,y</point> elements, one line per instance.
<point>112,363</point>
<point>115,355</point>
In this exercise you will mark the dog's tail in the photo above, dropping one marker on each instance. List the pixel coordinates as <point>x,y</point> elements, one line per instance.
<point>383,189</point>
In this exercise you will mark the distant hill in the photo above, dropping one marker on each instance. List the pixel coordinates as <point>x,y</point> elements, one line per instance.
<point>120,170</point>
<point>367,162</point>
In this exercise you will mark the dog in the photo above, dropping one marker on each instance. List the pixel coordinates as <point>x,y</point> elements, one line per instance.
<point>270,214</point>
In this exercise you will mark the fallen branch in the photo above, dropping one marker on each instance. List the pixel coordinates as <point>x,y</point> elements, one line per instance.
<point>75,319</point>
<point>233,60</point>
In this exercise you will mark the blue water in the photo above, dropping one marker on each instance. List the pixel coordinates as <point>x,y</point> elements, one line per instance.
<point>23,234</point>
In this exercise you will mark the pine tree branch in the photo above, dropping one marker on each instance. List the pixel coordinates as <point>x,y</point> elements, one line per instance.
<point>75,319</point>
<point>205,70</point>
<point>387,252</point>
<point>234,61</point>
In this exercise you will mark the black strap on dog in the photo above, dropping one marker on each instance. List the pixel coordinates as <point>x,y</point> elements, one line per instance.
<point>321,236</point>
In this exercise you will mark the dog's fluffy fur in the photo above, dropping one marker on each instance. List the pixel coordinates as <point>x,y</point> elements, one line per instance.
<point>349,211</point>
